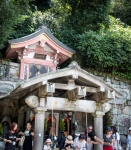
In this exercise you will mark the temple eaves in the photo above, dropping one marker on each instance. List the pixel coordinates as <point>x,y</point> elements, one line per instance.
<point>43,30</point>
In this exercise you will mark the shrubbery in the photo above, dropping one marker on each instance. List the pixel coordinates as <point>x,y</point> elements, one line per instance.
<point>107,50</point>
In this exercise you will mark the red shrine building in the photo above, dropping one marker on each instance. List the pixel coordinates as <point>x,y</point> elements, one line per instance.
<point>38,53</point>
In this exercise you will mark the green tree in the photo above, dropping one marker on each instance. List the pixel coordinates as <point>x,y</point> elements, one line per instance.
<point>62,125</point>
<point>16,18</point>
<point>103,42</point>
<point>26,6</point>
<point>8,16</point>
<point>23,27</point>
<point>122,9</point>
<point>87,15</point>
<point>107,51</point>
<point>69,18</point>
<point>40,5</point>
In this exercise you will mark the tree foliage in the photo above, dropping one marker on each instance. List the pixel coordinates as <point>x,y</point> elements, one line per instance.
<point>104,46</point>
<point>8,15</point>
<point>15,17</point>
<point>27,6</point>
<point>103,42</point>
<point>122,10</point>
<point>40,5</point>
<point>23,27</point>
<point>107,51</point>
<point>85,15</point>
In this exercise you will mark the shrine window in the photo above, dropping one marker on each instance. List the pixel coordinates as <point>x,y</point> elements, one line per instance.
<point>40,56</point>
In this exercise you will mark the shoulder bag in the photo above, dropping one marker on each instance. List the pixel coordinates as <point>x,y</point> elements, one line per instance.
<point>21,142</point>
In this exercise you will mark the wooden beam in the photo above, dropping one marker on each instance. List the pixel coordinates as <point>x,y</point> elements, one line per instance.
<point>68,87</point>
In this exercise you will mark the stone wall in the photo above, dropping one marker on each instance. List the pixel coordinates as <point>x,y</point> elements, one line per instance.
<point>121,107</point>
<point>120,114</point>
<point>9,70</point>
<point>9,77</point>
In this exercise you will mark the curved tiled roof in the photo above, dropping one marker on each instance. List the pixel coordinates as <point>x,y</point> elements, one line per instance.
<point>39,32</point>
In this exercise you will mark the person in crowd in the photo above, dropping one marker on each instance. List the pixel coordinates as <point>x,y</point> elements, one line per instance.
<point>80,143</point>
<point>67,146</point>
<point>29,134</point>
<point>129,140</point>
<point>11,137</point>
<point>69,141</point>
<point>89,144</point>
<point>116,137</point>
<point>47,145</point>
<point>92,135</point>
<point>61,142</point>
<point>109,142</point>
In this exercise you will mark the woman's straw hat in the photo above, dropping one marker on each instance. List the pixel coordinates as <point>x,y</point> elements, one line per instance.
<point>69,139</point>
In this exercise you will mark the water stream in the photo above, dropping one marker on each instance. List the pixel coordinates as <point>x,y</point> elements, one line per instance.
<point>84,94</point>
<point>117,122</point>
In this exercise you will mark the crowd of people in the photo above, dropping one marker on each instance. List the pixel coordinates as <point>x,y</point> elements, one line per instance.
<point>86,141</point>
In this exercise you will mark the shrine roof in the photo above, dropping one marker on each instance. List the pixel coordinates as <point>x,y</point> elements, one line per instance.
<point>40,31</point>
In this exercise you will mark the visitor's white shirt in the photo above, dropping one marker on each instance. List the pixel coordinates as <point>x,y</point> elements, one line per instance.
<point>46,147</point>
<point>79,145</point>
<point>89,146</point>
<point>116,138</point>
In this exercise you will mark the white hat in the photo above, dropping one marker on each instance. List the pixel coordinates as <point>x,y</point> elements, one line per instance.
<point>48,141</point>
<point>69,139</point>
<point>130,128</point>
